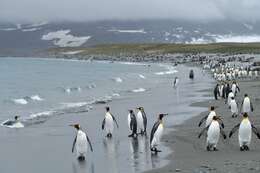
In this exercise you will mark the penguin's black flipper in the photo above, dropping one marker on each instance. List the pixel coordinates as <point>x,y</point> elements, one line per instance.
<point>91,148</point>
<point>203,131</point>
<point>255,130</point>
<point>251,106</point>
<point>233,130</point>
<point>202,120</point>
<point>223,133</point>
<point>73,145</point>
<point>115,120</point>
<point>221,123</point>
<point>103,123</point>
<point>155,127</point>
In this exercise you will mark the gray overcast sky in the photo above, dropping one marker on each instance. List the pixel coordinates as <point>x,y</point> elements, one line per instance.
<point>82,10</point>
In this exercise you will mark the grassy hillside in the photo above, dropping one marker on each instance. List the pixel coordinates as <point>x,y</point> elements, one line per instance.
<point>115,49</point>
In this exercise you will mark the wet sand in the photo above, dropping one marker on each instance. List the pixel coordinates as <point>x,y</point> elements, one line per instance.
<point>189,153</point>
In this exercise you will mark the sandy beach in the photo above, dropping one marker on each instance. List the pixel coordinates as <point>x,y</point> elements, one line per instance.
<point>189,153</point>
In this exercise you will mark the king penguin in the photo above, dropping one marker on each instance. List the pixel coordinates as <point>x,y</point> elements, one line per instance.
<point>245,132</point>
<point>233,107</point>
<point>13,123</point>
<point>108,123</point>
<point>213,132</point>
<point>132,124</point>
<point>247,105</point>
<point>175,82</point>
<point>81,142</point>
<point>156,134</point>
<point>208,118</point>
<point>141,120</point>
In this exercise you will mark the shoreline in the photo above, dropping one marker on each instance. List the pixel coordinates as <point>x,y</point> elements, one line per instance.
<point>189,153</point>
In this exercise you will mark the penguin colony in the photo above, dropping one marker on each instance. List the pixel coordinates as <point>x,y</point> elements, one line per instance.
<point>226,89</point>
<point>137,125</point>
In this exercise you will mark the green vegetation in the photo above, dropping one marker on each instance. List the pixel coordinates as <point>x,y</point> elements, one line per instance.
<point>115,49</point>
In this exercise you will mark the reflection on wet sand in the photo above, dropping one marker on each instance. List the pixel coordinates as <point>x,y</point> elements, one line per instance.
<point>111,155</point>
<point>83,166</point>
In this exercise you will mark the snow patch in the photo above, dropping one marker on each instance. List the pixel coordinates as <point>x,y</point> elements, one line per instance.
<point>62,38</point>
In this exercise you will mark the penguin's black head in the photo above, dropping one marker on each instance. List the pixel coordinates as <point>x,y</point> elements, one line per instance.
<point>212,108</point>
<point>246,95</point>
<point>76,126</point>
<point>16,118</point>
<point>216,118</point>
<point>140,108</point>
<point>107,108</point>
<point>245,115</point>
<point>131,111</point>
<point>161,116</point>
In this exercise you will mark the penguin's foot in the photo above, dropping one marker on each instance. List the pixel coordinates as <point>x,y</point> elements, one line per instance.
<point>215,149</point>
<point>208,148</point>
<point>81,158</point>
<point>246,148</point>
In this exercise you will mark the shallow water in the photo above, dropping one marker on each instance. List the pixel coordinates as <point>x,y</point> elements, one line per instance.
<point>54,100</point>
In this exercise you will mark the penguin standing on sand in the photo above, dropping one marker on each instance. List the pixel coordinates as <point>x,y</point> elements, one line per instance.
<point>235,88</point>
<point>108,123</point>
<point>247,105</point>
<point>175,82</point>
<point>208,118</point>
<point>156,134</point>
<point>132,124</point>
<point>233,107</point>
<point>191,75</point>
<point>213,132</point>
<point>216,92</point>
<point>245,132</point>
<point>81,143</point>
<point>141,120</point>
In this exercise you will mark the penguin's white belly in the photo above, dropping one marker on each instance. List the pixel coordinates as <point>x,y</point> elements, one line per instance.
<point>81,144</point>
<point>245,133</point>
<point>140,121</point>
<point>246,105</point>
<point>157,135</point>
<point>18,125</point>
<point>213,133</point>
<point>210,117</point>
<point>109,126</point>
<point>129,121</point>
<point>230,95</point>
<point>233,106</point>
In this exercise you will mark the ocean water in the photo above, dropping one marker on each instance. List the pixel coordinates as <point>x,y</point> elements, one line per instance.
<point>50,94</point>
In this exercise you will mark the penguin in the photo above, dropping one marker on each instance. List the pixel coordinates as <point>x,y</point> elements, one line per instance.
<point>208,118</point>
<point>230,95</point>
<point>132,124</point>
<point>156,134</point>
<point>81,143</point>
<point>245,132</point>
<point>108,123</point>
<point>141,120</point>
<point>213,132</point>
<point>233,107</point>
<point>191,75</point>
<point>175,82</point>
<point>247,105</point>
<point>13,123</point>
<point>216,92</point>
<point>235,88</point>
